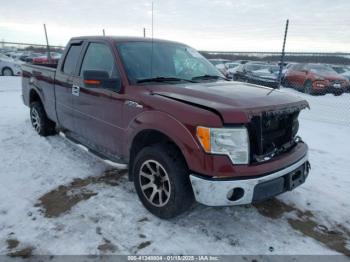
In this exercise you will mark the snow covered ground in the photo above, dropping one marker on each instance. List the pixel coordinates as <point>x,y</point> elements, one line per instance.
<point>85,207</point>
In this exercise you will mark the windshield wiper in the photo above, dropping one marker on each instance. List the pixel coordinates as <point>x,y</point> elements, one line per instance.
<point>208,77</point>
<point>165,79</point>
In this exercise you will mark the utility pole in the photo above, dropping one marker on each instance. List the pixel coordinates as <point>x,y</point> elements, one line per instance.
<point>144,32</point>
<point>47,46</point>
<point>282,54</point>
<point>103,32</point>
<point>152,21</point>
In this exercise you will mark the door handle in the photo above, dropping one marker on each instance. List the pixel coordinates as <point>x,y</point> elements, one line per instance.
<point>75,90</point>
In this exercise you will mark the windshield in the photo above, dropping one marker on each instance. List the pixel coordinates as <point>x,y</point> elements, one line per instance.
<point>170,60</point>
<point>4,57</point>
<point>255,67</point>
<point>321,69</point>
<point>339,70</point>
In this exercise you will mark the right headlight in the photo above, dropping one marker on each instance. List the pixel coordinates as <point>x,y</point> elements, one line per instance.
<point>233,142</point>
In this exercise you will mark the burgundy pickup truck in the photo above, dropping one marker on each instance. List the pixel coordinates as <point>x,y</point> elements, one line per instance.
<point>163,111</point>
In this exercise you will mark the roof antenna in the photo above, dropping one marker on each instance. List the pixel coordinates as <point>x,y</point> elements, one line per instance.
<point>152,45</point>
<point>47,46</point>
<point>103,32</point>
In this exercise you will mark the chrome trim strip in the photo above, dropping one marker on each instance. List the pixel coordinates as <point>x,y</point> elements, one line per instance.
<point>214,192</point>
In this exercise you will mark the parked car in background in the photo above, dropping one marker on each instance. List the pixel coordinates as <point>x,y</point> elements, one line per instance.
<point>342,70</point>
<point>231,69</point>
<point>9,66</point>
<point>241,61</point>
<point>221,65</point>
<point>44,59</point>
<point>16,55</point>
<point>258,73</point>
<point>30,57</point>
<point>315,79</point>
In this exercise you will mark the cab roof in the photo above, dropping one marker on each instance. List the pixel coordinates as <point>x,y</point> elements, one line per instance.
<point>122,39</point>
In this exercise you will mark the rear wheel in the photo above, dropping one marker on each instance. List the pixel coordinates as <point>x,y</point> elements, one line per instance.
<point>7,72</point>
<point>161,179</point>
<point>42,125</point>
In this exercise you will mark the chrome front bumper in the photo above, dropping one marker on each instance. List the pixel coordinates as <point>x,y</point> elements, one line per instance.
<point>219,192</point>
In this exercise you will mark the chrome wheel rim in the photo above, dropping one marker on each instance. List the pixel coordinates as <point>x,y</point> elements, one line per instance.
<point>154,182</point>
<point>34,116</point>
<point>7,72</point>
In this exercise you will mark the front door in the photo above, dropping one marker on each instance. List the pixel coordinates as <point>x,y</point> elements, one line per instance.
<point>98,110</point>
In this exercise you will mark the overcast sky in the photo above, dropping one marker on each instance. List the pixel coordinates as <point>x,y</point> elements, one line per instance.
<point>229,25</point>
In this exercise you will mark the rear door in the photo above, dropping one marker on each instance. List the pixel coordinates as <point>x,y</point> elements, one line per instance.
<point>63,86</point>
<point>98,110</point>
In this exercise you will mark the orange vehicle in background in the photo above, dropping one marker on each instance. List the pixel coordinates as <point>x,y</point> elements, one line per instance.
<point>316,79</point>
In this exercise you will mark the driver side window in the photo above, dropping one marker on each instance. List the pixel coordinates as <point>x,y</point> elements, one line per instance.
<point>99,57</point>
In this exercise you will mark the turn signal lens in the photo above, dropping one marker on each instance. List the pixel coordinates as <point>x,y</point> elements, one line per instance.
<point>92,82</point>
<point>203,135</point>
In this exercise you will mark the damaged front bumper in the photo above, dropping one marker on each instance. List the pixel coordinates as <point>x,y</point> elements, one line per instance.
<point>220,192</point>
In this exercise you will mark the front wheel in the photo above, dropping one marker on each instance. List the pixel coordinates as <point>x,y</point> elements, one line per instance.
<point>7,72</point>
<point>161,179</point>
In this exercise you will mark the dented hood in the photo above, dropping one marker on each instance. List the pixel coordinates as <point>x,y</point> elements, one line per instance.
<point>235,102</point>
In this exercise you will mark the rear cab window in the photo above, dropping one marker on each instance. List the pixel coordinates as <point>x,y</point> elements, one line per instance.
<point>71,59</point>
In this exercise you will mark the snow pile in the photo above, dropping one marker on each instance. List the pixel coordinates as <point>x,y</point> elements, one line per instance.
<point>112,220</point>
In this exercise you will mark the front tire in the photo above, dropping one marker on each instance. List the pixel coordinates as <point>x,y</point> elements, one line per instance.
<point>7,72</point>
<point>161,180</point>
<point>41,123</point>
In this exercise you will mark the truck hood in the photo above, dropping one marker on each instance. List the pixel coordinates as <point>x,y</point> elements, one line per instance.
<point>234,102</point>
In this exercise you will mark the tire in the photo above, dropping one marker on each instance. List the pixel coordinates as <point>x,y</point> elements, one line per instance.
<point>285,83</point>
<point>308,87</point>
<point>7,71</point>
<point>159,169</point>
<point>42,125</point>
<point>339,92</point>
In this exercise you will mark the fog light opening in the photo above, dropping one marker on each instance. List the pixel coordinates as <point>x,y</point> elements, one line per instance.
<point>235,194</point>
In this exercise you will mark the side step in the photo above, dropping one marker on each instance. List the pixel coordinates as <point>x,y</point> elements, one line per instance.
<point>95,154</point>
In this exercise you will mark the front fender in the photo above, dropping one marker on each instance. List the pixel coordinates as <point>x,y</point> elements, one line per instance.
<point>182,136</point>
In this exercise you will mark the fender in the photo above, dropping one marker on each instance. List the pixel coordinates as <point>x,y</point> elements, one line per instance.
<point>174,129</point>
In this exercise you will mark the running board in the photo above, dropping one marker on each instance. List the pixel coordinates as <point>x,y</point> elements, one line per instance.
<point>84,148</point>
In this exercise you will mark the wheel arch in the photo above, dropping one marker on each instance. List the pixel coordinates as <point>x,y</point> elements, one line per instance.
<point>34,96</point>
<point>157,127</point>
<point>149,137</point>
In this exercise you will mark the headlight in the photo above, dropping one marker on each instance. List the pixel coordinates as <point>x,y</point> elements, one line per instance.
<point>233,142</point>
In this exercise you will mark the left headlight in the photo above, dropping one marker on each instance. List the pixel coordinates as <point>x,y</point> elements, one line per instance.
<point>233,142</point>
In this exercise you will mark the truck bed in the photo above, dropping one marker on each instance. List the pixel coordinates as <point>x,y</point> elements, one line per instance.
<point>42,79</point>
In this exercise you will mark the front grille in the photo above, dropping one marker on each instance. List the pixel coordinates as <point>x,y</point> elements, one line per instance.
<point>272,133</point>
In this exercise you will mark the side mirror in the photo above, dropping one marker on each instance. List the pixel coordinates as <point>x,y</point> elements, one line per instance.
<point>305,71</point>
<point>101,79</point>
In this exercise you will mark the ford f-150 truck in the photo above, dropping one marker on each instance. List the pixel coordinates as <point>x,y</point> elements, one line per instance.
<point>161,110</point>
